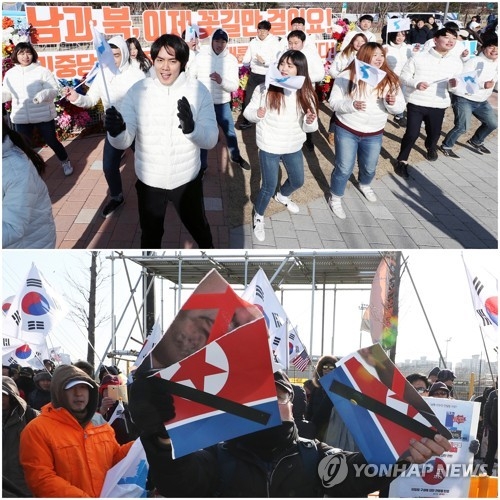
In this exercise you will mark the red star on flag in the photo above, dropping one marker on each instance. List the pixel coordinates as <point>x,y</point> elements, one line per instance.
<point>195,368</point>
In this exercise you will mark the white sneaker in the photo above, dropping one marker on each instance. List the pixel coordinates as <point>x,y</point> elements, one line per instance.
<point>67,168</point>
<point>368,193</point>
<point>336,206</point>
<point>285,200</point>
<point>258,227</point>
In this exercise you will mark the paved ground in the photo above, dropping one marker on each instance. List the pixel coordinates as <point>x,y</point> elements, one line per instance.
<point>445,204</point>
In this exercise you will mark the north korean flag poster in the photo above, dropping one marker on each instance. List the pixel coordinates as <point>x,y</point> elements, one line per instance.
<point>379,406</point>
<point>225,387</point>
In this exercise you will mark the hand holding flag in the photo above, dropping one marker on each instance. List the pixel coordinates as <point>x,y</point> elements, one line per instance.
<point>379,406</point>
<point>368,73</point>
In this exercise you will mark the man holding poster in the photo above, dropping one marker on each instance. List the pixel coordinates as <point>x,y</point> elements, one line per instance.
<point>211,426</point>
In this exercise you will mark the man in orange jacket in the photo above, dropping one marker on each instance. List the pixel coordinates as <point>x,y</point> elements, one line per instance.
<point>68,449</point>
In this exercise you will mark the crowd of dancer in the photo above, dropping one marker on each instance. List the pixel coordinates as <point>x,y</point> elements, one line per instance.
<point>168,110</point>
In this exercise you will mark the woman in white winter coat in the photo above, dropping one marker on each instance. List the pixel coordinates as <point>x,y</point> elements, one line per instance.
<point>283,115</point>
<point>27,220</point>
<point>344,58</point>
<point>360,116</point>
<point>32,90</point>
<point>138,59</point>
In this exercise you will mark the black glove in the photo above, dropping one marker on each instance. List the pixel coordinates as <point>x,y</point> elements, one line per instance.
<point>113,122</point>
<point>185,116</point>
<point>474,446</point>
<point>150,405</point>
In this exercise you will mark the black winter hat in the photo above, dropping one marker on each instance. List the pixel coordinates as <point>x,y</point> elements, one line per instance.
<point>445,375</point>
<point>434,371</point>
<point>438,386</point>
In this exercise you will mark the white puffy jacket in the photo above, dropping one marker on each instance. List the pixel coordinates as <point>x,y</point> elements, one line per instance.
<point>117,85</point>
<point>164,156</point>
<point>374,117</point>
<point>488,71</point>
<point>315,64</point>
<point>32,90</point>
<point>27,220</point>
<point>397,55</point>
<point>283,132</point>
<point>206,62</point>
<point>268,49</point>
<point>430,67</point>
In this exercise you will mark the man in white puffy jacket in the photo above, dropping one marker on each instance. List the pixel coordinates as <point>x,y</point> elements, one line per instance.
<point>263,50</point>
<point>217,69</point>
<point>170,117</point>
<point>425,79</point>
<point>468,102</point>
<point>316,69</point>
<point>117,86</point>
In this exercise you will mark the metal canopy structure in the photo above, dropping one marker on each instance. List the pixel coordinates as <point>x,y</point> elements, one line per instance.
<point>290,268</point>
<point>313,270</point>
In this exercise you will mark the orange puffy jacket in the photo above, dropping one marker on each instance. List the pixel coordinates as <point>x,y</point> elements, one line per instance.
<point>62,457</point>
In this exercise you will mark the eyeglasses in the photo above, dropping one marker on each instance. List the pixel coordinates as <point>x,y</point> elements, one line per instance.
<point>421,389</point>
<point>285,398</point>
<point>328,367</point>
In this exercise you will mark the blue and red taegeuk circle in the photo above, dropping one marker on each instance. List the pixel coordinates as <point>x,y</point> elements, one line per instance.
<point>35,304</point>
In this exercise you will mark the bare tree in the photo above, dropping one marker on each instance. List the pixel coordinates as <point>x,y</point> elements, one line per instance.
<point>88,311</point>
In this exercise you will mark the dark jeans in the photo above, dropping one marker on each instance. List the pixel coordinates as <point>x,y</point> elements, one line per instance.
<point>433,119</point>
<point>225,120</point>
<point>111,158</point>
<point>47,131</point>
<point>188,203</point>
<point>254,80</point>
<point>464,109</point>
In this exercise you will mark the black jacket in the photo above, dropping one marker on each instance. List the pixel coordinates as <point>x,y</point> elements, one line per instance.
<point>247,467</point>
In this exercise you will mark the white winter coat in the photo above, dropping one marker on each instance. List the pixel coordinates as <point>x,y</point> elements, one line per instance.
<point>32,90</point>
<point>430,67</point>
<point>283,132</point>
<point>397,55</point>
<point>340,63</point>
<point>315,64</point>
<point>269,48</point>
<point>206,62</point>
<point>117,85</point>
<point>488,71</point>
<point>165,157</point>
<point>27,220</point>
<point>374,117</point>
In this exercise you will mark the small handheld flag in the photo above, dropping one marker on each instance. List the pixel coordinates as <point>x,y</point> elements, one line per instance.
<point>368,73</point>
<point>274,77</point>
<point>399,24</point>
<point>104,56</point>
